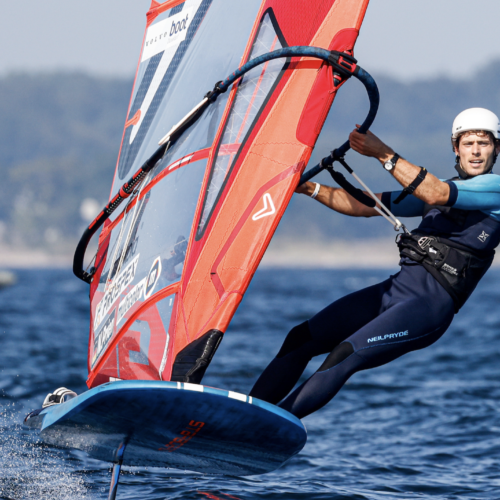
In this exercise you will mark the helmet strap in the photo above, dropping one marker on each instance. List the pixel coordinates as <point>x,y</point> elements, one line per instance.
<point>458,167</point>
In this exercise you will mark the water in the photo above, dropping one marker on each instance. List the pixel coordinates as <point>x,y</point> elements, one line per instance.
<point>425,426</point>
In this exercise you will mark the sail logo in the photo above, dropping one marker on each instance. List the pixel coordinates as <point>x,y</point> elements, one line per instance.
<point>269,208</point>
<point>179,26</point>
<point>153,276</point>
<point>165,38</point>
<point>102,338</point>
<point>117,287</point>
<point>142,290</point>
<point>164,34</point>
<point>130,299</point>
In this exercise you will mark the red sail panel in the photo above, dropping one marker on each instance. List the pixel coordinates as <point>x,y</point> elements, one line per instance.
<point>174,264</point>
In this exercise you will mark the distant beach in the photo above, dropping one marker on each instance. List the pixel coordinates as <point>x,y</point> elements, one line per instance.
<point>336,254</point>
<point>372,253</point>
<point>25,258</point>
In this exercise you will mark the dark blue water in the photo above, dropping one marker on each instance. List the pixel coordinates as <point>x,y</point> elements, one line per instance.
<point>425,426</point>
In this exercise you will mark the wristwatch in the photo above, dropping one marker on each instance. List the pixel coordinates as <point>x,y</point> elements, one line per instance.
<point>390,164</point>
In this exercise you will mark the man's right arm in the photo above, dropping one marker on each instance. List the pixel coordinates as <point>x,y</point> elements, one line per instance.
<point>339,200</point>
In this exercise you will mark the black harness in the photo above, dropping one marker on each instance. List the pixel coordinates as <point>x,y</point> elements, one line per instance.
<point>454,266</point>
<point>458,268</point>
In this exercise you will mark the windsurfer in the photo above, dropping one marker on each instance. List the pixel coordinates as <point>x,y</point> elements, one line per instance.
<point>441,263</point>
<point>178,254</point>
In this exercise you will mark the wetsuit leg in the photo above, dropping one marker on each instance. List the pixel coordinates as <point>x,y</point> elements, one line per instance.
<point>303,342</point>
<point>406,325</point>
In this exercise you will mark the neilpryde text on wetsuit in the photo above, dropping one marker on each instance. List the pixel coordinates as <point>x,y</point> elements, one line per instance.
<point>409,311</point>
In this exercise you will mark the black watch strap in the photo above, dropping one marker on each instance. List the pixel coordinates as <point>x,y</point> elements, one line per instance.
<point>394,160</point>
<point>411,188</point>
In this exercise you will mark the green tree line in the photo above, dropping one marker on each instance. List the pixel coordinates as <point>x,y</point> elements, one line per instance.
<point>60,135</point>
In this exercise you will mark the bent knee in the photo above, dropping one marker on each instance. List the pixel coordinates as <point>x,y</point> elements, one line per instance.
<point>297,337</point>
<point>337,356</point>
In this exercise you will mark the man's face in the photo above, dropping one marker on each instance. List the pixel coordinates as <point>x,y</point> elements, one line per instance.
<point>476,152</point>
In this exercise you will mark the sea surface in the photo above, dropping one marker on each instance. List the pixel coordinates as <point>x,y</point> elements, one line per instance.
<point>425,426</point>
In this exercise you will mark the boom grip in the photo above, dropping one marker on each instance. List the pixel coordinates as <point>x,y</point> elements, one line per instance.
<point>343,64</point>
<point>79,256</point>
<point>126,190</point>
<point>296,51</point>
<point>373,95</point>
<point>356,193</point>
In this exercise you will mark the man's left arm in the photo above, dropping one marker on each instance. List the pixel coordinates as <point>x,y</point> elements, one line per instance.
<point>431,191</point>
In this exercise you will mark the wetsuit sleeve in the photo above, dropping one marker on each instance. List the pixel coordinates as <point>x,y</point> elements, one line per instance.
<point>409,207</point>
<point>479,193</point>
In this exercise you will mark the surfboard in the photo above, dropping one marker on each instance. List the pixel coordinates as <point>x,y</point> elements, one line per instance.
<point>174,424</point>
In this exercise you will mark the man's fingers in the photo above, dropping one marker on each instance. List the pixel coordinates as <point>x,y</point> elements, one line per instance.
<point>358,126</point>
<point>356,137</point>
<point>304,188</point>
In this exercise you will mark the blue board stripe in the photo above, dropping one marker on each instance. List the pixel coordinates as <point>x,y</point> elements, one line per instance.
<point>56,412</point>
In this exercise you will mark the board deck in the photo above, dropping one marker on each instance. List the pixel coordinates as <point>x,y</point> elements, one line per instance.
<point>174,424</point>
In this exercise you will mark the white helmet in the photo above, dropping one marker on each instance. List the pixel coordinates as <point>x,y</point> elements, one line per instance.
<point>476,119</point>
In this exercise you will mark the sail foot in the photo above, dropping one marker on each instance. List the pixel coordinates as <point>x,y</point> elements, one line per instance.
<point>192,362</point>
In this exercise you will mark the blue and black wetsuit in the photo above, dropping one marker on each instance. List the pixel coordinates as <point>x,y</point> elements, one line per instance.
<point>408,311</point>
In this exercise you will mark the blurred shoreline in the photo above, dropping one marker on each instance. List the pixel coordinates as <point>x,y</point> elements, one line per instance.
<point>369,253</point>
<point>281,253</point>
<point>25,258</point>
<point>338,254</point>
<point>329,254</point>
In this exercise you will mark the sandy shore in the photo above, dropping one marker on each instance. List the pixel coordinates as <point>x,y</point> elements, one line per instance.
<point>335,254</point>
<point>367,253</point>
<point>23,258</point>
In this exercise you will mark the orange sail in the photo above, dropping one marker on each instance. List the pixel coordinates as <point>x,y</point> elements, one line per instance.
<point>174,262</point>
